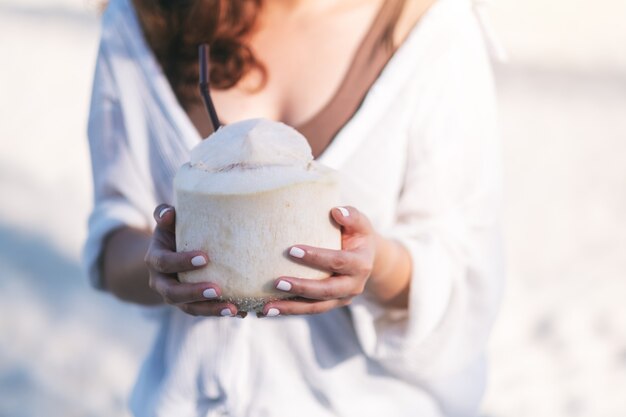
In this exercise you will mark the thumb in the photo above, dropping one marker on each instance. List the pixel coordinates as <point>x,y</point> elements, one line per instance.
<point>165,217</point>
<point>351,220</point>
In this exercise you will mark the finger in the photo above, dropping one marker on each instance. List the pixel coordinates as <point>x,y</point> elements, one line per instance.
<point>210,308</point>
<point>175,292</point>
<point>351,220</point>
<point>339,261</point>
<point>321,289</point>
<point>165,216</point>
<point>169,262</point>
<point>297,307</point>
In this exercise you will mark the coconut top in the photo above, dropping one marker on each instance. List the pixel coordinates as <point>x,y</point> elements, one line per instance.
<point>251,144</point>
<point>250,156</point>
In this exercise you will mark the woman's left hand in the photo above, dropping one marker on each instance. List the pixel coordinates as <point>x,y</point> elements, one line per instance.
<point>351,268</point>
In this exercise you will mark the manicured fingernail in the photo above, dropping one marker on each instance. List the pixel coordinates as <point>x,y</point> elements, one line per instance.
<point>226,312</point>
<point>198,260</point>
<point>165,210</point>
<point>344,211</point>
<point>283,285</point>
<point>296,252</point>
<point>273,312</point>
<point>209,293</point>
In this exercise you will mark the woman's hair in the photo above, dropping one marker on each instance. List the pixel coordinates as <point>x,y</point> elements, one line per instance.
<point>175,28</point>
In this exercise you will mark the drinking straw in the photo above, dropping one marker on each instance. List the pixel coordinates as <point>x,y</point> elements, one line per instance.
<point>204,85</point>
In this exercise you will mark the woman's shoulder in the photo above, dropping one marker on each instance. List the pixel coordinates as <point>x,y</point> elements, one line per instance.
<point>118,13</point>
<point>443,23</point>
<point>114,6</point>
<point>413,11</point>
<point>447,35</point>
<point>121,34</point>
<point>446,39</point>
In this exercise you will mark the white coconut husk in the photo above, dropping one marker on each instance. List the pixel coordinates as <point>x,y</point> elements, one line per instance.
<point>249,192</point>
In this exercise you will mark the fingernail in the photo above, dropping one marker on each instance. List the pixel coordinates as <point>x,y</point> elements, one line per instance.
<point>226,312</point>
<point>165,210</point>
<point>198,260</point>
<point>283,285</point>
<point>296,252</point>
<point>209,293</point>
<point>344,211</point>
<point>273,312</point>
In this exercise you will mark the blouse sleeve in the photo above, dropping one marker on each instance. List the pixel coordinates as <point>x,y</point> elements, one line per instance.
<point>447,218</point>
<point>121,196</point>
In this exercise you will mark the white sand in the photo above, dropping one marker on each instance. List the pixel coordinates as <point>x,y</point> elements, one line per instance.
<point>559,348</point>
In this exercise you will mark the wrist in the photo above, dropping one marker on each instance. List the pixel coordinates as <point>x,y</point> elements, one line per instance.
<point>381,257</point>
<point>390,278</point>
<point>384,258</point>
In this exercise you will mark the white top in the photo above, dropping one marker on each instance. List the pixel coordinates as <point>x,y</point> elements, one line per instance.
<point>420,158</point>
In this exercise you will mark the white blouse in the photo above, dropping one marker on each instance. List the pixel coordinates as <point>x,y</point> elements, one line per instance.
<point>420,158</point>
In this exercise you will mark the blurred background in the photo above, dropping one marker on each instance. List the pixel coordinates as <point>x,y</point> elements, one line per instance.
<point>559,347</point>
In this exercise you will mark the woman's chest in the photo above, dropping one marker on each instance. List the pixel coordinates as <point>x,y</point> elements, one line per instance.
<point>305,59</point>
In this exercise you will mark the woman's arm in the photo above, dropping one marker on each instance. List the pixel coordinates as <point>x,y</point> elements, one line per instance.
<point>390,280</point>
<point>141,267</point>
<point>124,272</point>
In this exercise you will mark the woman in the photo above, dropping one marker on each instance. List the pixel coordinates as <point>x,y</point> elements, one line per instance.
<point>397,96</point>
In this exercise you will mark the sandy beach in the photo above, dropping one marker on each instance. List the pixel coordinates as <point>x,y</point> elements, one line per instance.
<point>559,346</point>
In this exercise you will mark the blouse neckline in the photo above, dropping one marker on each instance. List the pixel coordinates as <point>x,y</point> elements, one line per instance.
<point>393,74</point>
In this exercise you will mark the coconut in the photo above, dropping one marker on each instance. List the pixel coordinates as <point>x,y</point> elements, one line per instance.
<point>250,191</point>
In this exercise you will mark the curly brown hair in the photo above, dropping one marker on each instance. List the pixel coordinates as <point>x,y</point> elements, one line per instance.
<point>175,28</point>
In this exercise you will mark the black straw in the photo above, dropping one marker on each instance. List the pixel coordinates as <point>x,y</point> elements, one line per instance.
<point>203,51</point>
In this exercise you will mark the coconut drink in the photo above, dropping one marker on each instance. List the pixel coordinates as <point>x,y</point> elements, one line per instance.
<point>250,191</point>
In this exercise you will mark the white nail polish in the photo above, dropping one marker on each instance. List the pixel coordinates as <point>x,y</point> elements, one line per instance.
<point>273,312</point>
<point>296,252</point>
<point>226,312</point>
<point>283,286</point>
<point>165,210</point>
<point>209,293</point>
<point>198,260</point>
<point>344,211</point>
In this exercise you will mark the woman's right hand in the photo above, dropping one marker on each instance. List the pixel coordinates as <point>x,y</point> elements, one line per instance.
<point>164,263</point>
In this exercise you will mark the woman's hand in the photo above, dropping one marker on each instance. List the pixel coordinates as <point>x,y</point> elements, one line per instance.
<point>164,263</point>
<point>351,268</point>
